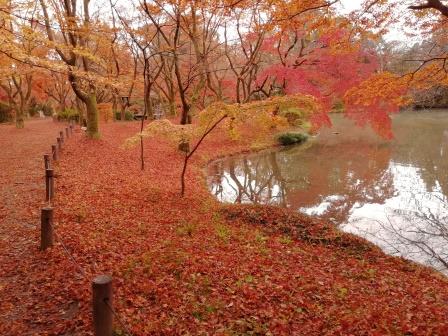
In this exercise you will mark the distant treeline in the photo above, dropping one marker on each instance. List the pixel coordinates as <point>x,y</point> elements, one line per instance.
<point>436,97</point>
<point>7,112</point>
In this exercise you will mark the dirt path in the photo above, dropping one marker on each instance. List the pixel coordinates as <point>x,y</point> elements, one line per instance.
<point>21,197</point>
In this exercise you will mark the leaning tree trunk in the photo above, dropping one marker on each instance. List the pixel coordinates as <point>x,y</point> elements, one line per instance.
<point>92,116</point>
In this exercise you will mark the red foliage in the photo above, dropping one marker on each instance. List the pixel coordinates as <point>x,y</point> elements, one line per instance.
<point>324,70</point>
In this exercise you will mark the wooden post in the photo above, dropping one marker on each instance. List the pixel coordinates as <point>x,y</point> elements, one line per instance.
<point>61,135</point>
<point>66,132</point>
<point>49,184</point>
<point>54,150</point>
<point>102,304</point>
<point>46,228</point>
<point>59,144</point>
<point>47,161</point>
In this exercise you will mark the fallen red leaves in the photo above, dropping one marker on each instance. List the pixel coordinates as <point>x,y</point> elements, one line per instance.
<point>191,265</point>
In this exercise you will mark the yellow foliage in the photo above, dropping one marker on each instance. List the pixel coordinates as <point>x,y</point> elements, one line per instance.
<point>163,128</point>
<point>262,116</point>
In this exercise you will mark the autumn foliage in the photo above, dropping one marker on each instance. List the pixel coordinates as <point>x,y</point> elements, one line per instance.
<point>183,56</point>
<point>226,77</point>
<point>192,265</point>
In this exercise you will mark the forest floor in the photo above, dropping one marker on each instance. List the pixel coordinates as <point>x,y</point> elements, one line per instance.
<point>187,265</point>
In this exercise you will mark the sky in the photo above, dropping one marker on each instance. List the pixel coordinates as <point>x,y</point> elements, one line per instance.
<point>346,6</point>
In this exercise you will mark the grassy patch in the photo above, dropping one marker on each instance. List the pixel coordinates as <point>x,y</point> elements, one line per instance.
<point>186,229</point>
<point>222,232</point>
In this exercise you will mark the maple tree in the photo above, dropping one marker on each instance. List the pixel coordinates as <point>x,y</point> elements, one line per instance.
<point>190,57</point>
<point>17,78</point>
<point>75,36</point>
<point>264,116</point>
<point>390,90</point>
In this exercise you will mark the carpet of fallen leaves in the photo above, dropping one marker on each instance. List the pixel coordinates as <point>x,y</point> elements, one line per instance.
<point>189,265</point>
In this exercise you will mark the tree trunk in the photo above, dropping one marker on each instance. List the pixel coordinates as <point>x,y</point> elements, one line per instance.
<point>172,108</point>
<point>92,116</point>
<point>172,102</point>
<point>122,111</point>
<point>114,106</point>
<point>62,106</point>
<point>185,118</point>
<point>20,119</point>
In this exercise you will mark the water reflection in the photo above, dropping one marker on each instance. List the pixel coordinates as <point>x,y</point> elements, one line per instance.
<point>393,193</point>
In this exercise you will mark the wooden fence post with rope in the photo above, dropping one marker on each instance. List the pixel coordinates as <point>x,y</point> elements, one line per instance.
<point>47,161</point>
<point>46,228</point>
<point>49,184</point>
<point>102,305</point>
<point>54,151</point>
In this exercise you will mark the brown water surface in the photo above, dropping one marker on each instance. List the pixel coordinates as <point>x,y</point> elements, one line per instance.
<point>394,193</point>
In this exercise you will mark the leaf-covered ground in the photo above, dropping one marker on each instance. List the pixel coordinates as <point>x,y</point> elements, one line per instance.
<point>188,266</point>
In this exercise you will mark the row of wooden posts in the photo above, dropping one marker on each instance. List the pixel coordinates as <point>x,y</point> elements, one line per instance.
<point>102,309</point>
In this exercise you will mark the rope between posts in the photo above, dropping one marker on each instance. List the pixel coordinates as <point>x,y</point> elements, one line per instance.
<point>70,256</point>
<point>84,275</point>
<point>117,316</point>
<point>83,272</point>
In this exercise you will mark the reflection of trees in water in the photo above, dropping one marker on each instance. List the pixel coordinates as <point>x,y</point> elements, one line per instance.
<point>350,175</point>
<point>418,231</point>
<point>256,180</point>
<point>416,225</point>
<point>422,235</point>
<point>296,178</point>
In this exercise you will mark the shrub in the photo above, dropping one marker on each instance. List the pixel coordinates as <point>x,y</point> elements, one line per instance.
<point>5,113</point>
<point>292,138</point>
<point>68,114</point>
<point>33,110</point>
<point>128,116</point>
<point>295,116</point>
<point>48,110</point>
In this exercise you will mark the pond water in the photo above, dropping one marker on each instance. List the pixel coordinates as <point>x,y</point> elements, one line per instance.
<point>393,193</point>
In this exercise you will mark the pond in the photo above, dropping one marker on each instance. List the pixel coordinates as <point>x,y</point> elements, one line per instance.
<point>394,193</point>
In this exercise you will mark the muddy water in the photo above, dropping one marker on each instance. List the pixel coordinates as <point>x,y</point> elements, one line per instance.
<point>393,193</point>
